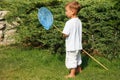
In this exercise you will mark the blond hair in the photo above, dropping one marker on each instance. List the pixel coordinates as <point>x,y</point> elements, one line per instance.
<point>74,5</point>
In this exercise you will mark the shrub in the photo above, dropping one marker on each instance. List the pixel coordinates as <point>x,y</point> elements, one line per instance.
<point>100,20</point>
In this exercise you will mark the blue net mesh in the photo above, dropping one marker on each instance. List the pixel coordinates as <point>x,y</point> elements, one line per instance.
<point>45,17</point>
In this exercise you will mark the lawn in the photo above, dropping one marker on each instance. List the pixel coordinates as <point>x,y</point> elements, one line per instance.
<point>38,64</point>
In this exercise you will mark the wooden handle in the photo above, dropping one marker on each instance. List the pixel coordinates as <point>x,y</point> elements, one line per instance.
<point>95,60</point>
<point>57,29</point>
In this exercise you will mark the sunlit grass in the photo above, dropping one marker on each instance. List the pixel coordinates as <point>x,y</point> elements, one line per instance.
<point>37,64</point>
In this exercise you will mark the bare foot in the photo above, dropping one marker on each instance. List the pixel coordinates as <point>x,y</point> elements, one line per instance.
<point>70,76</point>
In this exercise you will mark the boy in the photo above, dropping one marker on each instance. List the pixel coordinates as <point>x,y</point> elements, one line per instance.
<point>73,34</point>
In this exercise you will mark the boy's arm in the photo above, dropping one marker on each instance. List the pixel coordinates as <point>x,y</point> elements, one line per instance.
<point>66,30</point>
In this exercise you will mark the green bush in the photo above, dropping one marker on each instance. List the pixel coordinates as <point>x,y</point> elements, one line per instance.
<point>101,26</point>
<point>100,18</point>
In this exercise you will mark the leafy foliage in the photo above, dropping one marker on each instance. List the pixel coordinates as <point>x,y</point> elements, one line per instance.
<point>100,18</point>
<point>101,26</point>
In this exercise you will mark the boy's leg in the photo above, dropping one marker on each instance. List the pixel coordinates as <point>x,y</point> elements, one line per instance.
<point>71,63</point>
<point>79,61</point>
<point>78,69</point>
<point>71,60</point>
<point>72,73</point>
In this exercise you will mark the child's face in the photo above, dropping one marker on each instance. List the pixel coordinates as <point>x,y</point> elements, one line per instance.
<point>69,13</point>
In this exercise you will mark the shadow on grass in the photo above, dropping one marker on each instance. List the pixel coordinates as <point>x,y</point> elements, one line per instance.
<point>85,60</point>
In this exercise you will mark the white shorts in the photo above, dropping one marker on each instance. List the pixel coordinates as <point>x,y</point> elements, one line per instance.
<point>73,59</point>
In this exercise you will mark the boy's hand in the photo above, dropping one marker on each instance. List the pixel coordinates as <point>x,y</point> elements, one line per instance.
<point>64,35</point>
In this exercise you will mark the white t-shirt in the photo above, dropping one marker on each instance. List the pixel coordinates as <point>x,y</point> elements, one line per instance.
<point>73,28</point>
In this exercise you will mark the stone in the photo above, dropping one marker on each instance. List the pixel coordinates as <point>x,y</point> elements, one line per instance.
<point>7,30</point>
<point>10,32</point>
<point>9,37</point>
<point>2,14</point>
<point>0,34</point>
<point>2,26</point>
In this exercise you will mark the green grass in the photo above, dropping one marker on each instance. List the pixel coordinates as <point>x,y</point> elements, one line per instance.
<point>38,64</point>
